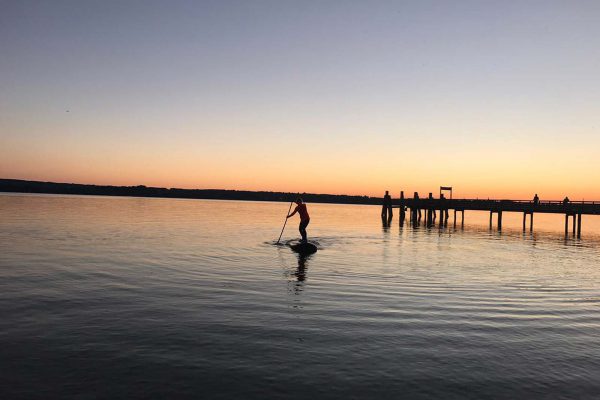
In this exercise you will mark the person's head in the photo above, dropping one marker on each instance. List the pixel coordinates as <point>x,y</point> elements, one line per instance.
<point>299,200</point>
<point>387,192</point>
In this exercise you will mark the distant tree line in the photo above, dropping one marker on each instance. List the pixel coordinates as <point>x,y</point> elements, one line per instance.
<point>22,186</point>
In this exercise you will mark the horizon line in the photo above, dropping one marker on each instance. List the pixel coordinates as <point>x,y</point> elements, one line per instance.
<point>245,190</point>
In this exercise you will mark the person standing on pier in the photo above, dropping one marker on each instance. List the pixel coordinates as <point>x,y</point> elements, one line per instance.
<point>304,218</point>
<point>431,214</point>
<point>416,207</point>
<point>443,210</point>
<point>536,200</point>
<point>386,209</point>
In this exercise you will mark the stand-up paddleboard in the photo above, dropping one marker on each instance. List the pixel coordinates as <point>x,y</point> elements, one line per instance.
<point>303,248</point>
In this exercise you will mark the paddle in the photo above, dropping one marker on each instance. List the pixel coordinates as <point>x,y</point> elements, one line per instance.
<point>285,222</point>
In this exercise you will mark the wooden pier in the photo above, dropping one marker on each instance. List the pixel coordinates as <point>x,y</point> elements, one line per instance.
<point>428,209</point>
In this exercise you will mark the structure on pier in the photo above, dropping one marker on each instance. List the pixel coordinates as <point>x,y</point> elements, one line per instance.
<point>429,206</point>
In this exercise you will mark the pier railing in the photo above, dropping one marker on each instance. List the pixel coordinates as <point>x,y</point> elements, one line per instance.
<point>546,206</point>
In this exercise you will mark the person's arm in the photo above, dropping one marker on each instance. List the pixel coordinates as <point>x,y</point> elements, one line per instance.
<point>292,214</point>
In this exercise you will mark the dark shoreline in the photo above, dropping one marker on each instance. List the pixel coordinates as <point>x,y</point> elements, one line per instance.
<point>23,186</point>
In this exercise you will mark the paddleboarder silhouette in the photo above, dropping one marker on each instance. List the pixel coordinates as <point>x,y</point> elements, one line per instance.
<point>304,217</point>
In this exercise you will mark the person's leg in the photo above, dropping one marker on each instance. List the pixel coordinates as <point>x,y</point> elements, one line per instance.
<point>302,229</point>
<point>305,235</point>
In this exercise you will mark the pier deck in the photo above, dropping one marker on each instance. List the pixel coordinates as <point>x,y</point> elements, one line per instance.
<point>429,206</point>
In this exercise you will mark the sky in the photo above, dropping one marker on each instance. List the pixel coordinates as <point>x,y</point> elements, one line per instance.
<point>496,99</point>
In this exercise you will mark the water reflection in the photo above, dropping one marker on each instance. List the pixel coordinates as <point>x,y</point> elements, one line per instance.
<point>145,286</point>
<point>474,232</point>
<point>386,221</point>
<point>385,227</point>
<point>300,274</point>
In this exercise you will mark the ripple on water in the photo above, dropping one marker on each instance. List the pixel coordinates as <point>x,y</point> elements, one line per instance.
<point>183,298</point>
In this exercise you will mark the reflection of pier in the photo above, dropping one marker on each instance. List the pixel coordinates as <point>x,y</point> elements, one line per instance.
<point>429,207</point>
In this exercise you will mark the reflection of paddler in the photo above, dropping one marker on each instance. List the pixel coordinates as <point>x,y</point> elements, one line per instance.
<point>301,271</point>
<point>300,274</point>
<point>304,217</point>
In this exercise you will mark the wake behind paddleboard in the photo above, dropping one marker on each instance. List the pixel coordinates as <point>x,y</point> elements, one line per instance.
<point>303,248</point>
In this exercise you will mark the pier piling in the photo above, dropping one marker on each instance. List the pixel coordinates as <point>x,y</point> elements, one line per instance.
<point>525,213</point>
<point>402,208</point>
<point>531,222</point>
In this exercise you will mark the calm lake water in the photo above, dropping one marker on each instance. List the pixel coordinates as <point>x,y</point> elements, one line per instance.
<point>105,297</point>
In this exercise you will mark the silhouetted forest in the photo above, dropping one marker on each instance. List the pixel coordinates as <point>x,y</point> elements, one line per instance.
<point>21,186</point>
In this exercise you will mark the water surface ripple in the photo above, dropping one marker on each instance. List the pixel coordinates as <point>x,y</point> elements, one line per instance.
<point>159,298</point>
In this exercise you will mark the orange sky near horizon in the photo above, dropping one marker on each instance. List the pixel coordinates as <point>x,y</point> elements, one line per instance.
<point>505,174</point>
